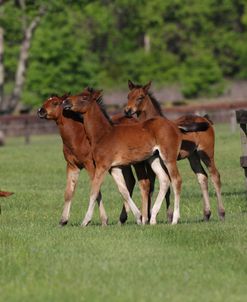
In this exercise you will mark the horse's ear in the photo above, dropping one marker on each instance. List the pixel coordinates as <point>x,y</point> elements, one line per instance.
<point>97,94</point>
<point>86,89</point>
<point>65,95</point>
<point>147,86</point>
<point>131,85</point>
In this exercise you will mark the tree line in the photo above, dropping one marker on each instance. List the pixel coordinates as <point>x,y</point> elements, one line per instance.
<point>63,45</point>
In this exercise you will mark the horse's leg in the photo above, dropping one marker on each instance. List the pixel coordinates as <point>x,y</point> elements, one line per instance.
<point>102,212</point>
<point>151,176</point>
<point>72,178</point>
<point>144,184</point>
<point>215,177</point>
<point>130,183</point>
<point>119,179</point>
<point>164,182</point>
<point>89,166</point>
<point>176,181</point>
<point>169,210</point>
<point>95,190</point>
<point>202,177</point>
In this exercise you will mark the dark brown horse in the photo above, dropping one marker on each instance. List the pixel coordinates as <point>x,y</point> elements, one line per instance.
<point>121,145</point>
<point>196,146</point>
<point>77,153</point>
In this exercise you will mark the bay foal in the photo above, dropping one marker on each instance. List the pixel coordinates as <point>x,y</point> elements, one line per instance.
<point>196,146</point>
<point>76,150</point>
<point>121,145</point>
<point>78,155</point>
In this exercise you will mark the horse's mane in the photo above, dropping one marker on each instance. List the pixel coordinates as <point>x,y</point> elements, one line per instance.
<point>101,105</point>
<point>155,103</point>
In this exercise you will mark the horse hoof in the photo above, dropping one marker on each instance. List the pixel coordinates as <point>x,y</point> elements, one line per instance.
<point>63,222</point>
<point>153,222</point>
<point>138,221</point>
<point>85,223</point>
<point>169,216</point>
<point>144,221</point>
<point>123,218</point>
<point>222,214</point>
<point>175,221</point>
<point>104,222</point>
<point>207,215</point>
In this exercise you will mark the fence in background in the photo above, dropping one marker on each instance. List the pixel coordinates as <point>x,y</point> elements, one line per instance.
<point>241,117</point>
<point>27,125</point>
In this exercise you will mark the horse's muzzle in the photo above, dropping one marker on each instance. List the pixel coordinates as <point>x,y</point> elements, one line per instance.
<point>128,112</point>
<point>66,104</point>
<point>41,113</point>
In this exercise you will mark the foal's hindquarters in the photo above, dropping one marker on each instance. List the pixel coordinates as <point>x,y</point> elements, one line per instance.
<point>125,145</point>
<point>198,147</point>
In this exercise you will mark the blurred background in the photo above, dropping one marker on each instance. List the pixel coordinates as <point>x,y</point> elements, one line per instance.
<point>195,52</point>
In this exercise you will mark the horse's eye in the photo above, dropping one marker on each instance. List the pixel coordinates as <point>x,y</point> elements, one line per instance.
<point>55,103</point>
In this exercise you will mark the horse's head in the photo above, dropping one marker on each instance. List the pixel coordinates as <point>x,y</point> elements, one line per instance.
<point>52,107</point>
<point>81,102</point>
<point>136,98</point>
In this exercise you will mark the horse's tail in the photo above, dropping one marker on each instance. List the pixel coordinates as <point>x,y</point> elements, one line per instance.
<point>206,116</point>
<point>5,194</point>
<point>194,127</point>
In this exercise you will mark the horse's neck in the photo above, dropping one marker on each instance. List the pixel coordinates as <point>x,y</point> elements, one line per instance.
<point>96,124</point>
<point>149,111</point>
<point>69,132</point>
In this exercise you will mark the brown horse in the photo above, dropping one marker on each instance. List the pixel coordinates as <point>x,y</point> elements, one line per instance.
<point>77,153</point>
<point>76,150</point>
<point>4,194</point>
<point>196,146</point>
<point>121,145</point>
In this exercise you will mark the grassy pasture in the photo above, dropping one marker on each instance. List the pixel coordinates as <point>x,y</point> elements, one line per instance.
<point>193,261</point>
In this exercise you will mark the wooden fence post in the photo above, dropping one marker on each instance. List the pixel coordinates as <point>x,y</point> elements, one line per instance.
<point>241,116</point>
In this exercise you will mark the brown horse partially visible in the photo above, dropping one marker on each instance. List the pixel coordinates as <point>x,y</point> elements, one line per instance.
<point>4,194</point>
<point>77,153</point>
<point>196,146</point>
<point>121,145</point>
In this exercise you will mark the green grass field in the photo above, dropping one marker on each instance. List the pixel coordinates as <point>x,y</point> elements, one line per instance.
<point>193,261</point>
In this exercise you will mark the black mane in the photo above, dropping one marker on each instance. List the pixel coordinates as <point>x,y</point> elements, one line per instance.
<point>156,104</point>
<point>101,105</point>
<point>103,110</point>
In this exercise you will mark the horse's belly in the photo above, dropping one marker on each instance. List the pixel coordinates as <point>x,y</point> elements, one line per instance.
<point>130,155</point>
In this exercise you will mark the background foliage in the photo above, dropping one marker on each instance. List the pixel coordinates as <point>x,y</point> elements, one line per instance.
<point>194,43</point>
